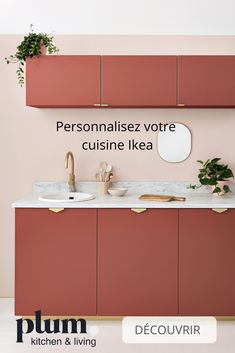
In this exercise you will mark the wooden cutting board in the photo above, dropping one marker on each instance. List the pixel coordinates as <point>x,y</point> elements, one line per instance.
<point>161,198</point>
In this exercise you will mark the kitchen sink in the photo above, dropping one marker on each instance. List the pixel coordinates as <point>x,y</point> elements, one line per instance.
<point>66,197</point>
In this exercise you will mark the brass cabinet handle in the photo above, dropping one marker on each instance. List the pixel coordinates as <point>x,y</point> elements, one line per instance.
<point>56,210</point>
<point>219,210</point>
<point>138,210</point>
<point>181,105</point>
<point>101,105</point>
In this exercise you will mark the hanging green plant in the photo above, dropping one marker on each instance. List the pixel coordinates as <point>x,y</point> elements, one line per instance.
<point>31,46</point>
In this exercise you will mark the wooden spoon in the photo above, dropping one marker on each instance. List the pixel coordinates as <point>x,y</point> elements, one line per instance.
<point>98,176</point>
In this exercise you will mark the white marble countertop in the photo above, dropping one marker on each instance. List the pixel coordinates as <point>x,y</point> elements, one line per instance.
<point>202,198</point>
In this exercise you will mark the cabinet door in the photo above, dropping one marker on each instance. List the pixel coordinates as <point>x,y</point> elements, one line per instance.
<point>63,81</point>
<point>55,262</point>
<point>139,81</point>
<point>207,81</point>
<point>137,262</point>
<point>207,263</point>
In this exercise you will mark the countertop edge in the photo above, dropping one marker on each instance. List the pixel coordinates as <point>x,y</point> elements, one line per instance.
<point>132,201</point>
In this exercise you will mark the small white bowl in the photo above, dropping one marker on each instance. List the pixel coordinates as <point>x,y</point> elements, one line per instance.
<point>117,191</point>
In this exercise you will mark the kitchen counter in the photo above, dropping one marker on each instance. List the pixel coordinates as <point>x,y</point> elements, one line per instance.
<point>201,198</point>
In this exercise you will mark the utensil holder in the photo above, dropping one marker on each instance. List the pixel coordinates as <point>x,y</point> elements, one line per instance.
<point>102,187</point>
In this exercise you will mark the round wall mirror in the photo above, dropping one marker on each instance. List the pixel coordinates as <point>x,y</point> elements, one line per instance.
<point>175,146</point>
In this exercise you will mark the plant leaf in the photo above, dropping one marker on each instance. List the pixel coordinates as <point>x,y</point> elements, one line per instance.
<point>216,190</point>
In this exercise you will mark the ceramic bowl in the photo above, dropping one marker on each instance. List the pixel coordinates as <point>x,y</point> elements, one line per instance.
<point>117,191</point>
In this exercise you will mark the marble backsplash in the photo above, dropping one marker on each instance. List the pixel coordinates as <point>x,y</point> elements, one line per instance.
<point>134,187</point>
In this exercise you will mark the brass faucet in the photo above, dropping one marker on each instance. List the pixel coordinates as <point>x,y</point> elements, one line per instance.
<point>71,174</point>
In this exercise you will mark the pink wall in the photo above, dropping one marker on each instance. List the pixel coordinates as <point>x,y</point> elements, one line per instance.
<point>32,150</point>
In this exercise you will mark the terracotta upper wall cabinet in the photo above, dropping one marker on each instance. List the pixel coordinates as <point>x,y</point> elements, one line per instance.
<point>63,81</point>
<point>130,81</point>
<point>139,81</point>
<point>206,81</point>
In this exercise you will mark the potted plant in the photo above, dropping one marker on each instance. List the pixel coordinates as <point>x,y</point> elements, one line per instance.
<point>215,174</point>
<point>34,44</point>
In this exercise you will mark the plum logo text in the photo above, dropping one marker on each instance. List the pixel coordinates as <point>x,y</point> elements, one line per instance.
<point>25,326</point>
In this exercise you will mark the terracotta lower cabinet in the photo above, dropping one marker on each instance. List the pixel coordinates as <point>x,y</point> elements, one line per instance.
<point>158,262</point>
<point>56,262</point>
<point>207,262</point>
<point>137,262</point>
